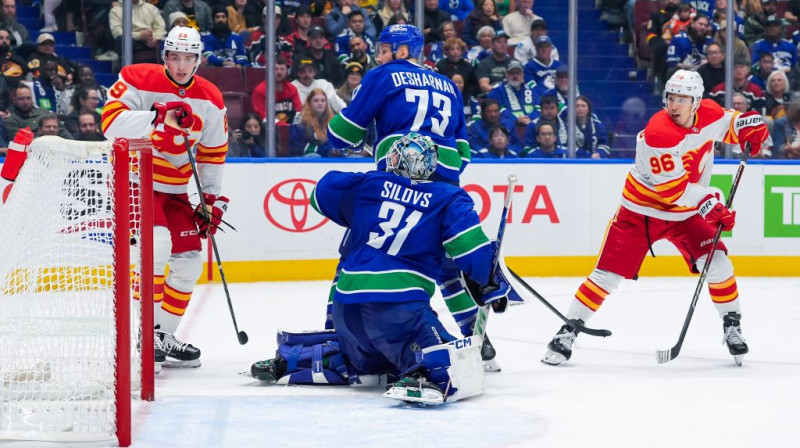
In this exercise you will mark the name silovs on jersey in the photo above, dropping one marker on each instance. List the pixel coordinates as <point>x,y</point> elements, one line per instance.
<point>404,194</point>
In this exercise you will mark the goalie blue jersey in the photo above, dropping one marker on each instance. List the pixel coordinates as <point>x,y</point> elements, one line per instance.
<point>400,231</point>
<point>403,97</point>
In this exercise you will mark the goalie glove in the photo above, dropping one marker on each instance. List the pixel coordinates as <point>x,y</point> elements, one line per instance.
<point>207,223</point>
<point>715,212</point>
<point>17,153</point>
<point>751,128</point>
<point>176,116</point>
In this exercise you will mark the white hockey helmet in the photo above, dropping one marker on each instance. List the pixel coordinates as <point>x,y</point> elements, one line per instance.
<point>685,82</point>
<point>184,40</point>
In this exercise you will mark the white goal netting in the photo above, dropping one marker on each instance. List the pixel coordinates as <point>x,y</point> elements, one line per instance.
<point>58,327</point>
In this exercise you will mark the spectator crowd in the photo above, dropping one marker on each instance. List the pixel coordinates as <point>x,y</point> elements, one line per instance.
<point>766,75</point>
<point>497,52</point>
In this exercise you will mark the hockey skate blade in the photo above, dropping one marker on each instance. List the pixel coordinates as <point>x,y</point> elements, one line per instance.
<point>490,365</point>
<point>424,397</point>
<point>552,358</point>
<point>175,364</point>
<point>738,359</point>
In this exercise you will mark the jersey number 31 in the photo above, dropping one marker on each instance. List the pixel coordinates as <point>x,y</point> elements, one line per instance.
<point>439,101</point>
<point>393,213</point>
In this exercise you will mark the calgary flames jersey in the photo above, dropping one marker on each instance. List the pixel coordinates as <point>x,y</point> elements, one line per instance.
<point>673,164</point>
<point>127,114</point>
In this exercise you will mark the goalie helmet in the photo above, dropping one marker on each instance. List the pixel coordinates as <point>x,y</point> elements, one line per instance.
<point>413,156</point>
<point>184,40</point>
<point>402,34</point>
<point>685,82</point>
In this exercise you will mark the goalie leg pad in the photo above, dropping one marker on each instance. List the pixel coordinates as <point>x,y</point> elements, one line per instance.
<point>312,357</point>
<point>456,368</point>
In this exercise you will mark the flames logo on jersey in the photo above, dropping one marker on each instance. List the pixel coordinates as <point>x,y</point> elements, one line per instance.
<point>167,143</point>
<point>694,161</point>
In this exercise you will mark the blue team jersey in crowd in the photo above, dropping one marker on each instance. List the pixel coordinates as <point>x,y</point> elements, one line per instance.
<point>682,50</point>
<point>784,51</point>
<point>522,101</point>
<point>403,97</point>
<point>543,76</point>
<point>400,231</point>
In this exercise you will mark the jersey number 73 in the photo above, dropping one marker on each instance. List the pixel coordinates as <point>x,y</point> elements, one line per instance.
<point>439,101</point>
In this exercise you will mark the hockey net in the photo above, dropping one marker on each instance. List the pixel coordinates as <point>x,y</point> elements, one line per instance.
<point>72,350</point>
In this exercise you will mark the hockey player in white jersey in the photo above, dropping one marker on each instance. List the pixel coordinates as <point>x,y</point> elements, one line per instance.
<point>667,196</point>
<point>169,104</point>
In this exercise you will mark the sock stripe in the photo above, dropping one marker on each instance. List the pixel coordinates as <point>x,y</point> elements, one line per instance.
<point>175,294</point>
<point>726,284</point>
<point>591,295</point>
<point>596,289</point>
<point>724,292</point>
<point>158,288</point>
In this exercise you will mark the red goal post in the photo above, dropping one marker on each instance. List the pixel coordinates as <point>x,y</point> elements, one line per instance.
<point>75,255</point>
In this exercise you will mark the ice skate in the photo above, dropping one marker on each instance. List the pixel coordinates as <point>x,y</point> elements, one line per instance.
<point>488,354</point>
<point>560,348</point>
<point>733,337</point>
<point>269,370</point>
<point>159,357</point>
<point>415,389</point>
<point>177,353</point>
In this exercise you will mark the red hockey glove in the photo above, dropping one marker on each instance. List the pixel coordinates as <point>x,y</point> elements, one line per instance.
<point>17,153</point>
<point>750,128</point>
<point>216,207</point>
<point>715,212</point>
<point>178,124</point>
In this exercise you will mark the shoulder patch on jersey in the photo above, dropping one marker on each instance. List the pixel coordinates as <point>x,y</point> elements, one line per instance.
<point>203,88</point>
<point>661,132</point>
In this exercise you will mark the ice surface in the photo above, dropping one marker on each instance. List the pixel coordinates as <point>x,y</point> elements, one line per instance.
<point>611,394</point>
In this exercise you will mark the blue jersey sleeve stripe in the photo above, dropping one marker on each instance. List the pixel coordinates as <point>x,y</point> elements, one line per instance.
<point>341,114</point>
<point>455,257</point>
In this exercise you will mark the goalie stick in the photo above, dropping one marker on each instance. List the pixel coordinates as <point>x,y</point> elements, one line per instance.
<point>240,335</point>
<point>479,328</point>
<point>665,356</point>
<point>574,323</point>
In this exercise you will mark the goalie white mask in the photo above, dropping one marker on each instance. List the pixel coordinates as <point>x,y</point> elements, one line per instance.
<point>183,40</point>
<point>414,156</point>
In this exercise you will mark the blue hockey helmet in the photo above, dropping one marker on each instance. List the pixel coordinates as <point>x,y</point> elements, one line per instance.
<point>403,34</point>
<point>413,156</point>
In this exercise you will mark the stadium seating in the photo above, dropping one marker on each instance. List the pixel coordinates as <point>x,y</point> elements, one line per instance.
<point>228,79</point>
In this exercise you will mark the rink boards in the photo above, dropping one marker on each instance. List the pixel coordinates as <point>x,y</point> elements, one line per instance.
<point>556,227</point>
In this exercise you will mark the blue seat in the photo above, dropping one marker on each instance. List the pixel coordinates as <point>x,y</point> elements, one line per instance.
<point>73,52</point>
<point>97,66</point>
<point>27,12</point>
<point>105,79</point>
<point>64,37</point>
<point>31,24</point>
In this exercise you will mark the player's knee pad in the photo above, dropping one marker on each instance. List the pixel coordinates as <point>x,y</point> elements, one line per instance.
<point>456,367</point>
<point>721,268</point>
<point>312,357</point>
<point>609,281</point>
<point>162,248</point>
<point>184,270</point>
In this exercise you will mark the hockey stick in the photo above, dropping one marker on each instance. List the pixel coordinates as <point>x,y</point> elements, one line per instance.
<point>479,327</point>
<point>241,335</point>
<point>574,323</point>
<point>665,356</point>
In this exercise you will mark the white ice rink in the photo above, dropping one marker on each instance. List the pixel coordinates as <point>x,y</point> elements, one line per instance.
<point>611,394</point>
